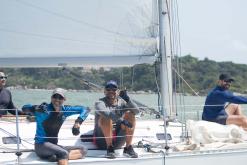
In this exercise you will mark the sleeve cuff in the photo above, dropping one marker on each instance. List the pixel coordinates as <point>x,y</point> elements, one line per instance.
<point>79,120</point>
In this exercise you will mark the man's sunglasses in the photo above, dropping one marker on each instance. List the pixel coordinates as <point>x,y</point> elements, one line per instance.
<point>228,81</point>
<point>3,77</point>
<point>56,96</point>
<point>111,89</point>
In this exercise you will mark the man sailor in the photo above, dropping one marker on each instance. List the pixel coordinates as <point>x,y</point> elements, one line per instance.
<point>222,107</point>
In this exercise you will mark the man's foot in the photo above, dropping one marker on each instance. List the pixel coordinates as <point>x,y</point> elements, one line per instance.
<point>129,152</point>
<point>110,153</point>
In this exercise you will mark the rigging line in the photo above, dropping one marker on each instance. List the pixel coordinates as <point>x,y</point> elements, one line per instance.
<point>91,109</point>
<point>176,48</point>
<point>121,78</point>
<point>177,30</point>
<point>202,105</point>
<point>157,85</point>
<point>174,29</point>
<point>91,137</point>
<point>196,93</point>
<point>2,147</point>
<point>132,77</point>
<point>179,67</point>
<point>141,109</point>
<point>78,77</point>
<point>173,45</point>
<point>14,150</point>
<point>69,18</point>
<point>169,12</point>
<point>8,133</point>
<point>52,37</point>
<point>124,109</point>
<point>141,106</point>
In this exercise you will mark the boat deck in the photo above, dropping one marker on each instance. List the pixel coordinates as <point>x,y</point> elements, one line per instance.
<point>148,133</point>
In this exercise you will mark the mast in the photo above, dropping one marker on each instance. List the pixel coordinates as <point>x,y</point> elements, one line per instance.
<point>165,59</point>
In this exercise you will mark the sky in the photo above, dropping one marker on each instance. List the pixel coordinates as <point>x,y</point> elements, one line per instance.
<point>214,29</point>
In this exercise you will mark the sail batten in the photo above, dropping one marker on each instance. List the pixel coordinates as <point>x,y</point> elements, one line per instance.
<point>75,61</point>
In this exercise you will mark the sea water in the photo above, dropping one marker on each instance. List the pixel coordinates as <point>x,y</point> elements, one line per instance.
<point>188,107</point>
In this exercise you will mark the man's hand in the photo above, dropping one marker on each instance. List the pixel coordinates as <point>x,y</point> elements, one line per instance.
<point>43,106</point>
<point>27,109</point>
<point>126,123</point>
<point>76,129</point>
<point>31,118</point>
<point>123,94</point>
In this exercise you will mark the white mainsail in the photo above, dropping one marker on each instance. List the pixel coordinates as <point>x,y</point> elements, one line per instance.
<point>76,33</point>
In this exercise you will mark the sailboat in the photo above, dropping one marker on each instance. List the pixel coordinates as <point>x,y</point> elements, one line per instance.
<point>116,43</point>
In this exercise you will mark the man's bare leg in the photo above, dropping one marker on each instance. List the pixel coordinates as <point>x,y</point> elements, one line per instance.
<point>234,109</point>
<point>106,127</point>
<point>130,117</point>
<point>238,120</point>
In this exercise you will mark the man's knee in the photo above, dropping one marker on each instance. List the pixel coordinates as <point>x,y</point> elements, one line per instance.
<point>104,122</point>
<point>130,116</point>
<point>233,109</point>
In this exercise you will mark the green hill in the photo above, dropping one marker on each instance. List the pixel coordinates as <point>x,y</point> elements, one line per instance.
<point>201,75</point>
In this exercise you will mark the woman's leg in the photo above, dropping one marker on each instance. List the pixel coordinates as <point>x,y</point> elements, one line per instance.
<point>47,150</point>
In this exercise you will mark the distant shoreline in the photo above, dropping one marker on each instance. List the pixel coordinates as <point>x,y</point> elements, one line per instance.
<point>76,90</point>
<point>131,92</point>
<point>80,90</point>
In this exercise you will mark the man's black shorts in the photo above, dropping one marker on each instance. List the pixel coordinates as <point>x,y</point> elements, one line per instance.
<point>220,119</point>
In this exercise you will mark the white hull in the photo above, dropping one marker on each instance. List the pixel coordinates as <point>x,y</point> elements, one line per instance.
<point>146,131</point>
<point>214,158</point>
